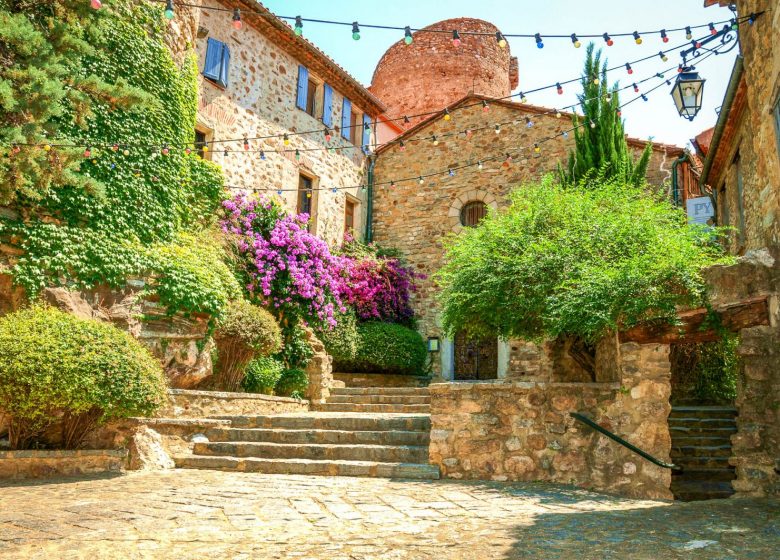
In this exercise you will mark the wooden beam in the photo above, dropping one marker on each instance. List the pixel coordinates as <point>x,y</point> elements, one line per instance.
<point>748,313</point>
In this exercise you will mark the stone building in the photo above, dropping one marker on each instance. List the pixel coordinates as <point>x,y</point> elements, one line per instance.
<point>741,169</point>
<point>414,217</point>
<point>263,80</point>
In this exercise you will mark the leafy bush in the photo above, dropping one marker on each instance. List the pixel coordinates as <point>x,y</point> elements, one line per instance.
<point>386,348</point>
<point>292,383</point>
<point>243,332</point>
<point>262,375</point>
<point>54,365</point>
<point>581,260</point>
<point>705,372</point>
<point>341,341</point>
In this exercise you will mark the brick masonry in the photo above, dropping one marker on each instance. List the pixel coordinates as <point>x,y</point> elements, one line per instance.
<point>445,73</point>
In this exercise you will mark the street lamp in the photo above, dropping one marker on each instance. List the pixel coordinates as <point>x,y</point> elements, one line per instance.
<point>687,93</point>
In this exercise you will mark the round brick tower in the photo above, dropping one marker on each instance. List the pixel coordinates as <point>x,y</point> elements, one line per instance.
<point>432,73</point>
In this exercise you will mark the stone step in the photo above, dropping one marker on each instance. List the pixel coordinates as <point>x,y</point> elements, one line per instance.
<point>691,490</point>
<point>334,421</point>
<point>380,391</point>
<point>378,453</point>
<point>703,412</point>
<point>702,462</point>
<point>343,437</point>
<point>380,399</point>
<point>311,467</point>
<point>700,450</point>
<point>352,407</point>
<point>713,474</point>
<point>691,422</point>
<point>685,440</point>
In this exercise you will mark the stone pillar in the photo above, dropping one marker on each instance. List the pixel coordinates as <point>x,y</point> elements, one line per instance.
<point>504,351</point>
<point>319,371</point>
<point>447,359</point>
<point>639,414</point>
<point>756,445</point>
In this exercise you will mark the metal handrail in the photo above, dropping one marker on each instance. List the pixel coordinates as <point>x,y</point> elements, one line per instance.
<point>624,443</point>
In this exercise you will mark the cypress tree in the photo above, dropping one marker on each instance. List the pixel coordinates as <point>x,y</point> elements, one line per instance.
<point>600,142</point>
<point>45,91</point>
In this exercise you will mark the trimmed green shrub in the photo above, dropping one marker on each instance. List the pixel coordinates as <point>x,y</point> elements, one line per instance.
<point>341,341</point>
<point>292,383</point>
<point>243,332</point>
<point>55,367</point>
<point>386,348</point>
<point>262,375</point>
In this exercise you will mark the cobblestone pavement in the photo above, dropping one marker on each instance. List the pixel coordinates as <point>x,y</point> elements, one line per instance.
<point>179,515</point>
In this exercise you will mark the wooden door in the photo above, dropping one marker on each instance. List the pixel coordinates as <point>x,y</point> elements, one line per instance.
<point>475,359</point>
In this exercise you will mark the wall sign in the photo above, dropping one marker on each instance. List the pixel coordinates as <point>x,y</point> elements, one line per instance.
<point>700,210</point>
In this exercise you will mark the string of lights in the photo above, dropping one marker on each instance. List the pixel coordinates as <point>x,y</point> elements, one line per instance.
<point>504,157</point>
<point>89,146</point>
<point>500,37</point>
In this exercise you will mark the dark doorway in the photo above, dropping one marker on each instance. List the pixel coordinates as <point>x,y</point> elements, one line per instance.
<point>475,359</point>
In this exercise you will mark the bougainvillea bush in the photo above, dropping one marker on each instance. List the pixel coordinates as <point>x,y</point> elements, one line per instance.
<point>284,267</point>
<point>378,287</point>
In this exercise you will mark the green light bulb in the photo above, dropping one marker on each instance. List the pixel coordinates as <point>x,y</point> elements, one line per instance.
<point>356,36</point>
<point>408,39</point>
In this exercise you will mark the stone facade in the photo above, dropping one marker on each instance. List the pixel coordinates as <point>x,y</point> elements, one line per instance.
<point>756,445</point>
<point>260,100</point>
<point>514,430</point>
<point>205,404</point>
<point>417,218</point>
<point>444,72</point>
<point>742,165</point>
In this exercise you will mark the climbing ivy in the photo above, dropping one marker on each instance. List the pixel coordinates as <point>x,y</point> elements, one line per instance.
<point>145,216</point>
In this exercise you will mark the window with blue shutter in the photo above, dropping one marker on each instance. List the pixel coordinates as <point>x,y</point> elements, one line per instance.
<point>217,63</point>
<point>346,115</point>
<point>327,105</point>
<point>303,84</point>
<point>366,133</point>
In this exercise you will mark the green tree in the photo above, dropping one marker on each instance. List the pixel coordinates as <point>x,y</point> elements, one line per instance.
<point>44,87</point>
<point>600,142</point>
<point>578,260</point>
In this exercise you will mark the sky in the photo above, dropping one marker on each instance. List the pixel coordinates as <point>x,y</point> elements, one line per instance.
<point>557,61</point>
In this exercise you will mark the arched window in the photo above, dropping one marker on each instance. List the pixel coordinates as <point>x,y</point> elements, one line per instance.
<point>472,213</point>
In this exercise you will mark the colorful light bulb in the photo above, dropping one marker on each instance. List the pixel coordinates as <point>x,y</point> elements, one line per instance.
<point>713,31</point>
<point>401,146</point>
<point>688,33</point>
<point>479,165</point>
<point>115,147</point>
<point>328,135</point>
<point>355,31</point>
<point>664,38</point>
<point>169,13</point>
<point>237,19</point>
<point>455,38</point>
<point>559,88</point>
<point>262,155</point>
<point>498,129</point>
<point>537,149</point>
<point>96,4</point>
<point>298,26</point>
<point>246,143</point>
<point>637,38</point>
<point>636,88</point>
<point>87,152</point>
<point>538,39</point>
<point>629,69</point>
<point>575,41</point>
<point>500,39</point>
<point>447,115</point>
<point>421,180</point>
<point>485,106</point>
<point>408,39</point>
<point>608,40</point>
<point>286,139</point>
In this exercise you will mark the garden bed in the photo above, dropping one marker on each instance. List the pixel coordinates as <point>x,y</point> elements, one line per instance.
<point>20,465</point>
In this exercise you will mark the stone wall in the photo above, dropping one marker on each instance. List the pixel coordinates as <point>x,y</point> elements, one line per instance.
<point>417,218</point>
<point>756,445</point>
<point>204,404</point>
<point>260,101</point>
<point>511,430</point>
<point>32,464</point>
<point>380,380</point>
<point>432,73</point>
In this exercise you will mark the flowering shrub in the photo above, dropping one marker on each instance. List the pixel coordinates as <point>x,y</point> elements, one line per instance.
<point>284,267</point>
<point>377,284</point>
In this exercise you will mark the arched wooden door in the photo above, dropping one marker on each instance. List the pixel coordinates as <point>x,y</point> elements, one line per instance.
<point>475,359</point>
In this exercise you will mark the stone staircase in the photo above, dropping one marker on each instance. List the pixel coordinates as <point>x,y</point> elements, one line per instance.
<point>372,431</point>
<point>701,445</point>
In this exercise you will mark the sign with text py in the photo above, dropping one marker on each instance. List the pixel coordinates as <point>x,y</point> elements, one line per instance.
<point>700,210</point>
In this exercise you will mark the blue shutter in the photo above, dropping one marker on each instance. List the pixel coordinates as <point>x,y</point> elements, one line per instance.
<point>223,71</point>
<point>303,87</point>
<point>213,59</point>
<point>346,114</point>
<point>327,105</point>
<point>366,133</point>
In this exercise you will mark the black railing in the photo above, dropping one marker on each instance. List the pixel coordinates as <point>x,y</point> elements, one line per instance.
<point>624,443</point>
